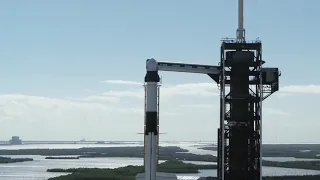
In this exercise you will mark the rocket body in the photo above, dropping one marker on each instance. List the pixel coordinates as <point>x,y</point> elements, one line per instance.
<point>151,131</point>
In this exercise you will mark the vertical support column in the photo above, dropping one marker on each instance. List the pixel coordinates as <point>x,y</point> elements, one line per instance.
<point>259,58</point>
<point>151,79</point>
<point>219,155</point>
<point>222,115</point>
<point>258,98</point>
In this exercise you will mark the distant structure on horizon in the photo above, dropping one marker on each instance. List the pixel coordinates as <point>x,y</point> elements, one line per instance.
<point>100,142</point>
<point>15,140</point>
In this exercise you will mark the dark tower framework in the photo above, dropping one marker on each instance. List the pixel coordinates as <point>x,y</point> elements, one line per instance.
<point>244,84</point>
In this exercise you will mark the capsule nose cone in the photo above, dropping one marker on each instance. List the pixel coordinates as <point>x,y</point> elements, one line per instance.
<point>152,65</point>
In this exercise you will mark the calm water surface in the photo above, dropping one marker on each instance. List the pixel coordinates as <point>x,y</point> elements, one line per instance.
<point>36,170</point>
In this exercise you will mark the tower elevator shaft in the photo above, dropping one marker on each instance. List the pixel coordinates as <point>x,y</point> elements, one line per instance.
<point>239,129</point>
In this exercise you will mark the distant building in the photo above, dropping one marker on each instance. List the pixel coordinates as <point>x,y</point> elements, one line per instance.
<point>15,140</point>
<point>100,142</point>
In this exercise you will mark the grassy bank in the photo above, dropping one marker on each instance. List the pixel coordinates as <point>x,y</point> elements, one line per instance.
<point>165,153</point>
<point>309,151</point>
<point>4,160</point>
<point>128,172</point>
<point>311,165</point>
<point>172,166</point>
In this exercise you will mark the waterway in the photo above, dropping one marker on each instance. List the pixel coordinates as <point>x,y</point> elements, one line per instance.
<point>36,170</point>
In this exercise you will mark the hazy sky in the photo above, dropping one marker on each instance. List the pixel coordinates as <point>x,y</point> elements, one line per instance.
<point>73,69</point>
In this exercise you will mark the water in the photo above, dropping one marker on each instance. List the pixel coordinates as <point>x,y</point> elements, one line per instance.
<point>36,170</point>
<point>286,159</point>
<point>266,171</point>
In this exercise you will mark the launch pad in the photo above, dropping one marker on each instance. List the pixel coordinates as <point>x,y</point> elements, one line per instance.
<point>243,84</point>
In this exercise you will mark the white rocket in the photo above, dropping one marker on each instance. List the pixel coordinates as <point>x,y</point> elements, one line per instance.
<point>151,131</point>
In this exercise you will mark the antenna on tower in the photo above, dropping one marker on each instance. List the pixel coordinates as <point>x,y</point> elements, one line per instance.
<point>240,30</point>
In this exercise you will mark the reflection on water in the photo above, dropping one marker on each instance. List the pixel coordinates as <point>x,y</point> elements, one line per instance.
<point>36,170</point>
<point>266,171</point>
<point>285,159</point>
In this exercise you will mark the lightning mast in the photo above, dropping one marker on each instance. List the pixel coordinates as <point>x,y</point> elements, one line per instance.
<point>240,30</point>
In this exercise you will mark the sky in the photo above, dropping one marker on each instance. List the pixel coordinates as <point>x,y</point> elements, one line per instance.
<point>74,69</point>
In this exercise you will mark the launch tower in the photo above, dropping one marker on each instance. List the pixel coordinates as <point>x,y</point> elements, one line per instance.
<point>244,84</point>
